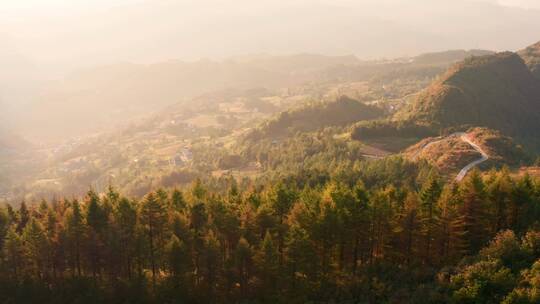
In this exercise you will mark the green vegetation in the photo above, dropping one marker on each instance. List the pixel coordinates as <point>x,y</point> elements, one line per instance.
<point>495,91</point>
<point>334,239</point>
<point>450,153</point>
<point>531,56</point>
<point>317,116</point>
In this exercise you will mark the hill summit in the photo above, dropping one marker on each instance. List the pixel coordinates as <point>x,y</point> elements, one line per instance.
<point>495,91</point>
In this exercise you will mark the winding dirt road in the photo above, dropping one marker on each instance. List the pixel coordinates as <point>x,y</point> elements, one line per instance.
<point>468,167</point>
<point>464,137</point>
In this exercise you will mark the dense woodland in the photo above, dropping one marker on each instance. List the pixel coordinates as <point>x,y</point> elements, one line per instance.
<point>342,239</point>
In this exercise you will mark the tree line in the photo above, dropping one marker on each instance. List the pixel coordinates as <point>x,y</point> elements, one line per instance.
<point>477,241</point>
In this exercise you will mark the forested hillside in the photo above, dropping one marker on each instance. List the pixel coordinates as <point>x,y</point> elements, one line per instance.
<point>342,240</point>
<point>531,56</point>
<point>316,116</point>
<point>495,91</point>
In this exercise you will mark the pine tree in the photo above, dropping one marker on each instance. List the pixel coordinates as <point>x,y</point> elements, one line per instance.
<point>163,197</point>
<point>234,192</point>
<point>198,220</point>
<point>198,216</point>
<point>265,220</point>
<point>226,224</point>
<point>243,259</point>
<point>178,200</point>
<point>153,217</point>
<point>177,259</point>
<point>380,215</point>
<point>95,215</point>
<point>429,214</point>
<point>112,196</point>
<point>126,219</point>
<point>498,192</point>
<point>522,211</point>
<point>302,259</point>
<point>4,226</point>
<point>472,221</point>
<point>197,190</point>
<point>24,217</point>
<point>43,210</point>
<point>53,243</point>
<point>212,262</point>
<point>12,215</point>
<point>180,228</point>
<point>36,247</point>
<point>75,228</point>
<point>450,234</point>
<point>409,228</point>
<point>14,254</point>
<point>359,214</point>
<point>96,220</point>
<point>282,200</point>
<point>326,230</point>
<point>267,261</point>
<point>344,204</point>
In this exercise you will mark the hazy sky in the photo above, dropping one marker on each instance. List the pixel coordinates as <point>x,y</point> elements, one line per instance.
<point>63,34</point>
<point>48,6</point>
<point>521,3</point>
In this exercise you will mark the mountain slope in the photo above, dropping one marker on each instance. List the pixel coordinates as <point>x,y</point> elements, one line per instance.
<point>495,91</point>
<point>316,116</point>
<point>531,56</point>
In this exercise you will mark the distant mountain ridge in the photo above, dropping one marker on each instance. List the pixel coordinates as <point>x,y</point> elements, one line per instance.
<point>449,56</point>
<point>104,96</point>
